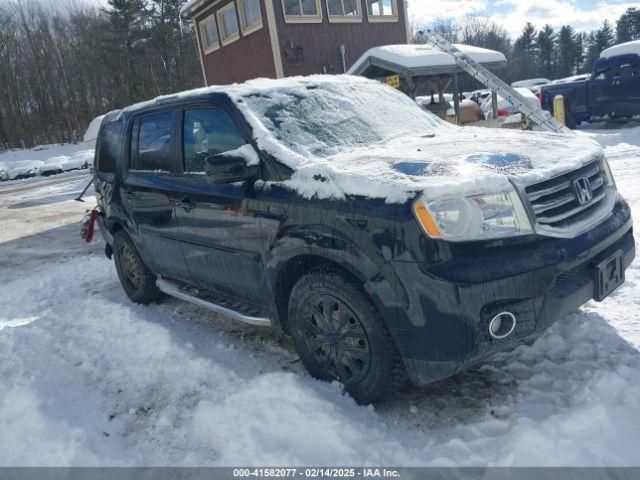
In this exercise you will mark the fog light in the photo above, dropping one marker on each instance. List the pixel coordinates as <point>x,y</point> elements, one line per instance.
<point>502,325</point>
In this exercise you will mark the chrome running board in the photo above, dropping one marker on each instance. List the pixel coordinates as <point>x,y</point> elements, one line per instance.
<point>175,291</point>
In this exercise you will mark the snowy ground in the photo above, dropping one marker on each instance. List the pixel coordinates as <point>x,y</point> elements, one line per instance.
<point>87,378</point>
<point>44,160</point>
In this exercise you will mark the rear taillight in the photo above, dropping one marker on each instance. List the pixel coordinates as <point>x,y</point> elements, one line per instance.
<point>540,97</point>
<point>503,113</point>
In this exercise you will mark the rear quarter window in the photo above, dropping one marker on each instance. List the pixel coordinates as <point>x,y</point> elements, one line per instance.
<point>109,148</point>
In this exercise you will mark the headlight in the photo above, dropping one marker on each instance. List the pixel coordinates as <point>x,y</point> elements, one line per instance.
<point>480,217</point>
<point>606,169</point>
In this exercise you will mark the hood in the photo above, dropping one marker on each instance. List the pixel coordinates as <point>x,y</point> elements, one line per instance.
<point>451,162</point>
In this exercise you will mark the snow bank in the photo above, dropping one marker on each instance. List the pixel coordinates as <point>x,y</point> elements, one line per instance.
<point>421,56</point>
<point>628,48</point>
<point>45,160</point>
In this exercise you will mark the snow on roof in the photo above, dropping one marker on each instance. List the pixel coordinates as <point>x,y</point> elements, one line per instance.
<point>191,6</point>
<point>532,82</point>
<point>91,135</point>
<point>574,78</point>
<point>628,48</point>
<point>424,56</point>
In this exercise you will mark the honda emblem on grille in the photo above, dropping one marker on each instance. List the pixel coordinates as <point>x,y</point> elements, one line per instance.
<point>582,187</point>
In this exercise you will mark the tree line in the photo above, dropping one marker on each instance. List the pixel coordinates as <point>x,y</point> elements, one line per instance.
<point>61,68</point>
<point>544,52</point>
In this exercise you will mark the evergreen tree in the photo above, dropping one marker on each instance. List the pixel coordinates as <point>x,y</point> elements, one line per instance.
<point>545,51</point>
<point>127,22</point>
<point>628,26</point>
<point>568,52</point>
<point>523,63</point>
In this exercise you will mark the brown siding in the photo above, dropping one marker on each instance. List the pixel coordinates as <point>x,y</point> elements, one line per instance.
<point>306,48</point>
<point>246,58</point>
<point>315,47</point>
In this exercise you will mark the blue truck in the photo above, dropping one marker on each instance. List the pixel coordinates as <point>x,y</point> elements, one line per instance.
<point>612,91</point>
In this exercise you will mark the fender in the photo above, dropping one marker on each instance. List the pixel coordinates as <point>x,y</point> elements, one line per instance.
<point>341,245</point>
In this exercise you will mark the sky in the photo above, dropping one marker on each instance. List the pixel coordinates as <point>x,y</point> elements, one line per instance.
<point>583,15</point>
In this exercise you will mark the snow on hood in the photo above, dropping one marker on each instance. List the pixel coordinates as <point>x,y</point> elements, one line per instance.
<point>454,162</point>
<point>400,149</point>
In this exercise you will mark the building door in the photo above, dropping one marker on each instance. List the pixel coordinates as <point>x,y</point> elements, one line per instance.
<point>221,236</point>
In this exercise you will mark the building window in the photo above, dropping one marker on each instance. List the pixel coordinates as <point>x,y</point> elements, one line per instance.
<point>302,11</point>
<point>250,15</point>
<point>382,10</point>
<point>209,34</point>
<point>228,23</point>
<point>344,10</point>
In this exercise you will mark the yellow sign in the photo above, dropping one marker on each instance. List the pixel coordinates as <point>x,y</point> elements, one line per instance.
<point>394,81</point>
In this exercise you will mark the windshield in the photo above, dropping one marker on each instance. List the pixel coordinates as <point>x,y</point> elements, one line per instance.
<point>327,118</point>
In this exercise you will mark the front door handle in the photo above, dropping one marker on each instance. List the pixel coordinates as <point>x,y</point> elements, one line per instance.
<point>185,203</point>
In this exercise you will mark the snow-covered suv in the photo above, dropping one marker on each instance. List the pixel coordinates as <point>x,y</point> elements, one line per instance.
<point>386,242</point>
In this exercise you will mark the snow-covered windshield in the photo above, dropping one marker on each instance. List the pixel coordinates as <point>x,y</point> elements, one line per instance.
<point>327,118</point>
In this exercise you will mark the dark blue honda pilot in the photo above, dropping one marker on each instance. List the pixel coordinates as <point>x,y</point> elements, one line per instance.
<point>391,246</point>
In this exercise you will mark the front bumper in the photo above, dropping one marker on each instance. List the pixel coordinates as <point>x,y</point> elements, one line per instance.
<point>539,281</point>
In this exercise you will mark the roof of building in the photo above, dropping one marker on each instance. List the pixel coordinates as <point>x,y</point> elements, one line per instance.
<point>416,60</point>
<point>189,8</point>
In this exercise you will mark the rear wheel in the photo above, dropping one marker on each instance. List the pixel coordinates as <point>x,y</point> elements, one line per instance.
<point>138,281</point>
<point>340,336</point>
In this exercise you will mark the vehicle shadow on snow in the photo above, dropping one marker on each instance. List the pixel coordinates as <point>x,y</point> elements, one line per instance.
<point>56,245</point>
<point>63,197</point>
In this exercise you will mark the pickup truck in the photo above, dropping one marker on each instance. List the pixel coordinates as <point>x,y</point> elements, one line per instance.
<point>612,90</point>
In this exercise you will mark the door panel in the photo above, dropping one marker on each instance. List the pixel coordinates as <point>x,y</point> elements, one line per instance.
<point>148,199</point>
<point>628,98</point>
<point>222,239</point>
<point>147,192</point>
<point>221,236</point>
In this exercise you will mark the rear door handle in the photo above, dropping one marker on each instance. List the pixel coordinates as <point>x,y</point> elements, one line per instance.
<point>129,195</point>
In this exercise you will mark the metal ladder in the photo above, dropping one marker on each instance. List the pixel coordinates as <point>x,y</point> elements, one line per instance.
<point>541,117</point>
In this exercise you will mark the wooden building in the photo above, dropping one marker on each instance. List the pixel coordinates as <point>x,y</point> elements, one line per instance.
<point>244,39</point>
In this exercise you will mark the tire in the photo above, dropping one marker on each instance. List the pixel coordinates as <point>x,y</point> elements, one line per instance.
<point>138,281</point>
<point>352,344</point>
<point>570,119</point>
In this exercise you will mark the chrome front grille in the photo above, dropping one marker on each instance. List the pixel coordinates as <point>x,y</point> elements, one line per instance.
<point>556,202</point>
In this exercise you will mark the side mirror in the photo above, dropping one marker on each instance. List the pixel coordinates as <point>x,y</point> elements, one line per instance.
<point>221,169</point>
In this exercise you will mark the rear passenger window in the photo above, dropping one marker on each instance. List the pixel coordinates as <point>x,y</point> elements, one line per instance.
<point>208,132</point>
<point>152,143</point>
<point>110,147</point>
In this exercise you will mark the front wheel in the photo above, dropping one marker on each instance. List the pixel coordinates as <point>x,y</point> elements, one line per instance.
<point>340,336</point>
<point>138,281</point>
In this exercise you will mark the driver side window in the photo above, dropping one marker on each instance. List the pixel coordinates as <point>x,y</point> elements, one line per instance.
<point>208,132</point>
